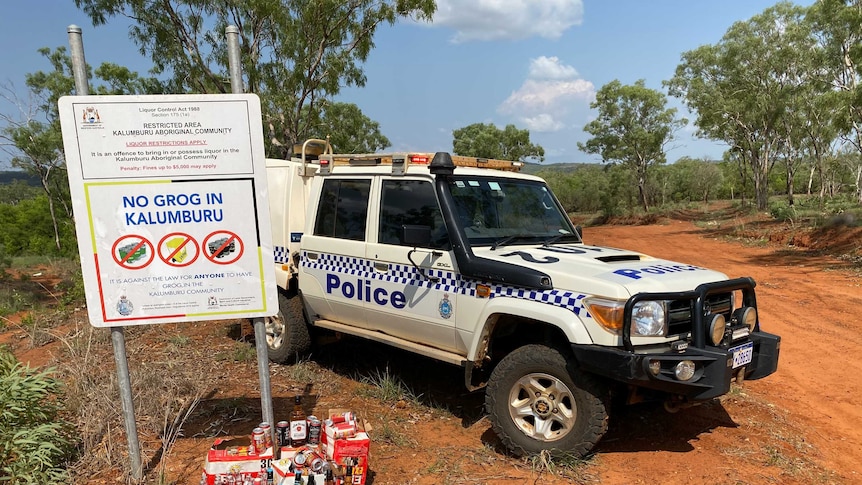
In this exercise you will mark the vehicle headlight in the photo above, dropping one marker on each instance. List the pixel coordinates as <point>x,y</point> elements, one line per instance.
<point>648,319</point>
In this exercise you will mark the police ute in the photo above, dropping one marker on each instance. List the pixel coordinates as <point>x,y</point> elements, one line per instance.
<point>470,262</point>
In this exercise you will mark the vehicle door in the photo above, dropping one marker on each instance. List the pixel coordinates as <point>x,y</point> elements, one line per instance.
<point>335,272</point>
<point>413,295</point>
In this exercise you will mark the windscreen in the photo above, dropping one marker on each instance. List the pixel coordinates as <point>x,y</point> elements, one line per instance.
<point>494,209</point>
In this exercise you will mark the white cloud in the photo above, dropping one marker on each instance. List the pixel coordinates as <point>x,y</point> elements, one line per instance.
<point>548,95</point>
<point>550,68</point>
<point>542,122</point>
<point>508,19</point>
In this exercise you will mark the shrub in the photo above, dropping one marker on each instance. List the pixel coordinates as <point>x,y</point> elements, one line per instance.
<point>35,443</point>
<point>782,211</point>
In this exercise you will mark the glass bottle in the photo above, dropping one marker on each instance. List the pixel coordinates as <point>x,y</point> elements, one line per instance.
<point>298,424</point>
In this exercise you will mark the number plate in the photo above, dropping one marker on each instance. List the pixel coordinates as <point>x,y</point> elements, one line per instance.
<point>742,354</point>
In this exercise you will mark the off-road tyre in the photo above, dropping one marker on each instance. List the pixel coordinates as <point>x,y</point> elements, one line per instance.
<point>287,336</point>
<point>578,414</point>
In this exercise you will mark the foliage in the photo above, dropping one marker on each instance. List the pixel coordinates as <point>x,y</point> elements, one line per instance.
<point>16,191</point>
<point>36,139</point>
<point>28,229</point>
<point>768,89</point>
<point>349,130</point>
<point>35,443</point>
<point>632,128</point>
<point>295,54</point>
<point>838,24</point>
<point>488,141</point>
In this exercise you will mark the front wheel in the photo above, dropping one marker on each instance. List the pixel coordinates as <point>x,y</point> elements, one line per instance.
<point>538,400</point>
<point>287,334</point>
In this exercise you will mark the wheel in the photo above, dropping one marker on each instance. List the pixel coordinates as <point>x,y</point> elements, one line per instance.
<point>537,400</point>
<point>287,334</point>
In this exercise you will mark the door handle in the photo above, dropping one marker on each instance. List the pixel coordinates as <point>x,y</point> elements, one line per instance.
<point>382,267</point>
<point>312,256</point>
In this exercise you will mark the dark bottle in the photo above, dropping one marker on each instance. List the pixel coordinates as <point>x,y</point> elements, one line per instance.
<point>298,424</point>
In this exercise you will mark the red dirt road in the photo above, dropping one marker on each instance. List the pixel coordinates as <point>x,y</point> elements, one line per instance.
<point>815,393</point>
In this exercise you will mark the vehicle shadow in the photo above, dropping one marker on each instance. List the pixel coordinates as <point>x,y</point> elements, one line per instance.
<point>649,427</point>
<point>429,382</point>
<point>632,428</point>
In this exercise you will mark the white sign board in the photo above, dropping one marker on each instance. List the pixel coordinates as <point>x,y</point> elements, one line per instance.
<point>171,210</point>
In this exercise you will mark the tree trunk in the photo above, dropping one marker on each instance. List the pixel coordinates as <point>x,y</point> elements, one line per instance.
<point>761,182</point>
<point>53,215</point>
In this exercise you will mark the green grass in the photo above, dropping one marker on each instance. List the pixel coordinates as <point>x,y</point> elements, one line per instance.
<point>561,464</point>
<point>386,387</point>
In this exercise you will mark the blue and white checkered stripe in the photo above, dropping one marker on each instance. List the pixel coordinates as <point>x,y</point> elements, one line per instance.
<point>448,281</point>
<point>566,299</point>
<point>280,254</point>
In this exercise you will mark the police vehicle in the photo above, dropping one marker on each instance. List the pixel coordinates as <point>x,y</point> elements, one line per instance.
<point>470,262</point>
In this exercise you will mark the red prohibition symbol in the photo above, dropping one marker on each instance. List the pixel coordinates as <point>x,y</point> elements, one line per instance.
<point>178,249</point>
<point>132,251</point>
<point>223,247</point>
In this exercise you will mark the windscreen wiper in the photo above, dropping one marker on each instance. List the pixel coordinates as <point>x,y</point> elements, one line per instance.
<point>558,237</point>
<point>506,240</point>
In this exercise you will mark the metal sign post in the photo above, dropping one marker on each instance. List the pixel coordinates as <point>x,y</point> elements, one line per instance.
<point>236,85</point>
<point>118,338</point>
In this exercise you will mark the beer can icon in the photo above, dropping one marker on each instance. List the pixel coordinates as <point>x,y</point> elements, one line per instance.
<point>175,243</point>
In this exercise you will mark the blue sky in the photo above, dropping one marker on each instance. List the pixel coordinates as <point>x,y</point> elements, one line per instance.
<point>535,64</point>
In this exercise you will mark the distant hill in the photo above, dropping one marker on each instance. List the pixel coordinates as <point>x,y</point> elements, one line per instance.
<point>9,176</point>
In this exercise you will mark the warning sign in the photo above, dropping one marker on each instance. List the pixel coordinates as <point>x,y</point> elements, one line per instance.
<point>178,249</point>
<point>223,247</point>
<point>132,252</point>
<point>156,180</point>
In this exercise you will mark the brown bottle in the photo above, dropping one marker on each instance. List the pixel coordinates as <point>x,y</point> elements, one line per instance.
<point>298,424</point>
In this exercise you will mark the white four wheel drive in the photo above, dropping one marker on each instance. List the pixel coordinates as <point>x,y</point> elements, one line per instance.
<point>470,262</point>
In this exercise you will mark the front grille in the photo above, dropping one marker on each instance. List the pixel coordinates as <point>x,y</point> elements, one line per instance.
<point>680,312</point>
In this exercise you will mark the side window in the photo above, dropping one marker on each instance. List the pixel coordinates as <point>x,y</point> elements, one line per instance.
<point>410,202</point>
<point>343,209</point>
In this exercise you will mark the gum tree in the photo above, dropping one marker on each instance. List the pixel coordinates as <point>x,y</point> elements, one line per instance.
<point>632,129</point>
<point>294,53</point>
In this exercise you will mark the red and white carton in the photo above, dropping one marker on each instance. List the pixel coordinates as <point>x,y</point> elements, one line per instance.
<point>348,445</point>
<point>282,471</point>
<point>231,456</point>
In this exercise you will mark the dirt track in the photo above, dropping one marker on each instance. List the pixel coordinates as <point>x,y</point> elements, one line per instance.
<point>814,394</point>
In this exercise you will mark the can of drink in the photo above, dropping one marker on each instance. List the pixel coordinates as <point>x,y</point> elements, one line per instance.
<point>316,464</point>
<point>282,428</point>
<point>313,430</point>
<point>300,459</point>
<point>345,417</point>
<point>258,441</point>
<point>267,434</point>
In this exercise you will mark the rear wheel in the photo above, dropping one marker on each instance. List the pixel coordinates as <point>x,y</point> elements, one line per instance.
<point>287,334</point>
<point>537,400</point>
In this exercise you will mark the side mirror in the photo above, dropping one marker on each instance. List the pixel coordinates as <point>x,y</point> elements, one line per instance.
<point>416,236</point>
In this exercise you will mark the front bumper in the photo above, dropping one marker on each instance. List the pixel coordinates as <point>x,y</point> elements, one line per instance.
<point>714,366</point>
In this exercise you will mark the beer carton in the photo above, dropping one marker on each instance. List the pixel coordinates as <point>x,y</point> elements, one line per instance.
<point>231,456</point>
<point>347,445</point>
